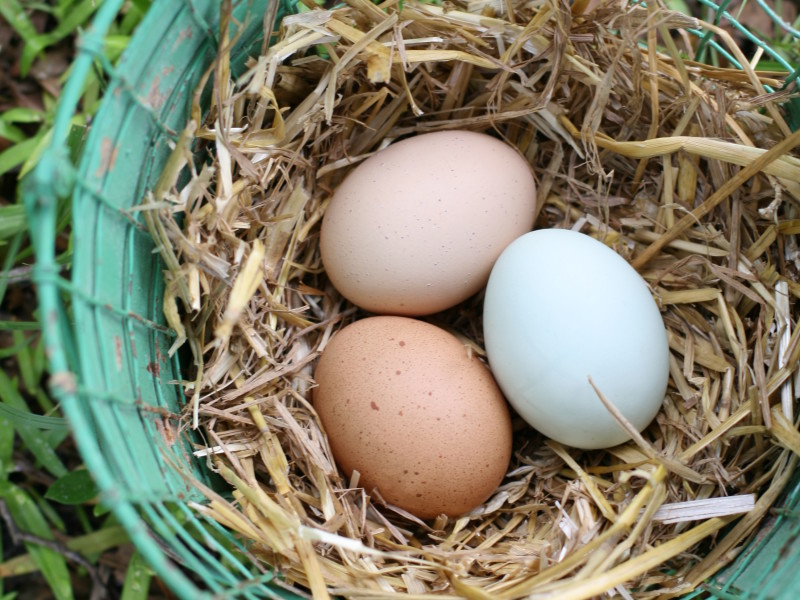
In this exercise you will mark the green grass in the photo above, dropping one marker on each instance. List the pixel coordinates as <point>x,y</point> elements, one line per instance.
<point>55,532</point>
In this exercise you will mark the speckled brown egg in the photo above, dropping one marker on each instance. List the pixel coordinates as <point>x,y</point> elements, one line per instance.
<point>416,228</point>
<point>420,418</point>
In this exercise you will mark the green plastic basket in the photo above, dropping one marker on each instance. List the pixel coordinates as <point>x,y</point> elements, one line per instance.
<point>108,351</point>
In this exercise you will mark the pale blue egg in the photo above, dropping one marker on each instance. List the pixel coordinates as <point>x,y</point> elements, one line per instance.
<point>560,307</point>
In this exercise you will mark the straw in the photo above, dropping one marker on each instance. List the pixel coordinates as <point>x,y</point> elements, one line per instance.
<point>686,170</point>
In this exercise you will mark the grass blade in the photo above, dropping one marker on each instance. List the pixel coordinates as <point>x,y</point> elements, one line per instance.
<point>12,220</point>
<point>13,134</point>
<point>42,138</point>
<point>35,440</point>
<point>6,446</point>
<point>72,19</point>
<point>11,351</point>
<point>27,362</point>
<point>11,254</point>
<point>76,487</point>
<point>11,416</point>
<point>29,519</point>
<point>19,326</point>
<point>137,579</point>
<point>95,542</point>
<point>17,154</point>
<point>48,511</point>
<point>15,15</point>
<point>22,114</point>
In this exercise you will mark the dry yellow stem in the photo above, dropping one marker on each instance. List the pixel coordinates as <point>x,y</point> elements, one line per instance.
<point>245,285</point>
<point>785,167</point>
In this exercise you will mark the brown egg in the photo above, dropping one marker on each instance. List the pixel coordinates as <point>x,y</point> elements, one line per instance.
<point>405,404</point>
<point>416,228</point>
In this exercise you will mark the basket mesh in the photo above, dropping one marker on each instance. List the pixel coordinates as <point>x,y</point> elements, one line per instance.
<point>721,16</point>
<point>109,352</point>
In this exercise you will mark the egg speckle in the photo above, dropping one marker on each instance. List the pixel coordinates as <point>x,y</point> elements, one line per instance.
<point>416,228</point>
<point>406,405</point>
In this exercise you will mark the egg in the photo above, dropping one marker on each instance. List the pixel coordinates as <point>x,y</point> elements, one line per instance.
<point>415,413</point>
<point>416,228</point>
<point>561,307</point>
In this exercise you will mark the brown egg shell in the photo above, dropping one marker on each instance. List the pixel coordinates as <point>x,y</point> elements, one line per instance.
<point>404,404</point>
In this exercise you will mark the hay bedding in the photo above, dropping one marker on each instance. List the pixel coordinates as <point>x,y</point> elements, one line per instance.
<point>631,142</point>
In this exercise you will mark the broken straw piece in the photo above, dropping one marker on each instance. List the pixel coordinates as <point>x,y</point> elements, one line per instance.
<point>696,510</point>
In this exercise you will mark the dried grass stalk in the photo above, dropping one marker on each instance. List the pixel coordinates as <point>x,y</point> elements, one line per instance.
<point>684,169</point>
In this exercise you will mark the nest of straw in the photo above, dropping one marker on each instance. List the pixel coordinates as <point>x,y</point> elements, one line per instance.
<point>684,169</point>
